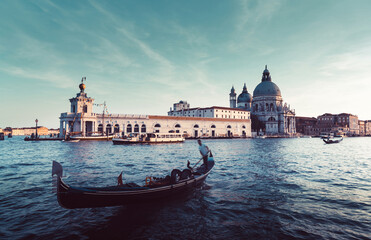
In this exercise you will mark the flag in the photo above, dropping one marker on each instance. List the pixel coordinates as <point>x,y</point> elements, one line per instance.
<point>119,180</point>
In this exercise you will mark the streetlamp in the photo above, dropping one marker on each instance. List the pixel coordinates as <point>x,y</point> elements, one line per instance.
<point>36,121</point>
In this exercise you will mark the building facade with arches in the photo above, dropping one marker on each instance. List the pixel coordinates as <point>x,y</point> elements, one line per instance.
<point>82,120</point>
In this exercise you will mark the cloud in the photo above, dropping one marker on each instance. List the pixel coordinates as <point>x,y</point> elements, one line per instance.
<point>57,78</point>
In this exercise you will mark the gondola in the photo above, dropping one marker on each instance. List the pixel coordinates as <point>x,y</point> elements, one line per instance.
<point>330,140</point>
<point>155,189</point>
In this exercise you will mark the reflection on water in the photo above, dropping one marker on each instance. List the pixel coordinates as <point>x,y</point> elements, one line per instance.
<point>259,188</point>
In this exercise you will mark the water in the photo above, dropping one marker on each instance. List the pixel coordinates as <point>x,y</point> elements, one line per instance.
<point>258,189</point>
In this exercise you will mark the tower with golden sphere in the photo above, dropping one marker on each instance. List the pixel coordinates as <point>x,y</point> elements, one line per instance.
<point>82,103</point>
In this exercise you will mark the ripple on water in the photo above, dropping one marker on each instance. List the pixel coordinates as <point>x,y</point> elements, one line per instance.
<point>258,189</point>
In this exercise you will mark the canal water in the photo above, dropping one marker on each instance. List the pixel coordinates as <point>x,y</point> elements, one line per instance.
<point>259,189</point>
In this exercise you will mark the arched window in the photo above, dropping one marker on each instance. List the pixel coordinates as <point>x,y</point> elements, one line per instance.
<point>195,126</point>
<point>85,108</point>
<point>116,129</point>
<point>100,128</point>
<point>271,107</point>
<point>143,129</point>
<point>157,125</point>
<point>128,128</point>
<point>136,128</point>
<point>243,126</point>
<point>266,107</point>
<point>256,107</point>
<point>108,128</point>
<point>177,126</point>
<point>229,126</point>
<point>213,126</point>
<point>271,119</point>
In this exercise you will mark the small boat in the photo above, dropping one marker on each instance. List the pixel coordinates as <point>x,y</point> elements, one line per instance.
<point>1,136</point>
<point>71,140</point>
<point>149,138</point>
<point>96,138</point>
<point>179,182</point>
<point>10,135</point>
<point>332,140</point>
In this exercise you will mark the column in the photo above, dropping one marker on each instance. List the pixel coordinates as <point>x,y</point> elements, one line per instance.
<point>61,133</point>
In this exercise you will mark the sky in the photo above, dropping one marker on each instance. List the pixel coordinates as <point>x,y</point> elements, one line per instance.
<point>143,56</point>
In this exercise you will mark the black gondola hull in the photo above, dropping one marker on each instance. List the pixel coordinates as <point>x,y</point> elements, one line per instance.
<point>72,197</point>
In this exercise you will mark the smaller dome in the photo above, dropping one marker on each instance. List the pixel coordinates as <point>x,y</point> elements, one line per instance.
<point>244,97</point>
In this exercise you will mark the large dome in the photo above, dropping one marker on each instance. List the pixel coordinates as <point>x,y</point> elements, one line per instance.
<point>267,87</point>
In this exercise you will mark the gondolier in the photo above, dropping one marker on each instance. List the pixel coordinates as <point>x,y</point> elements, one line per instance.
<point>204,150</point>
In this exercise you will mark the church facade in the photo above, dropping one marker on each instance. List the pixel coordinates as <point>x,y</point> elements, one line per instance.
<point>267,105</point>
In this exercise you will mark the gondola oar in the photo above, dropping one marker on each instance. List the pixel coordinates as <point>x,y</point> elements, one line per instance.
<point>189,164</point>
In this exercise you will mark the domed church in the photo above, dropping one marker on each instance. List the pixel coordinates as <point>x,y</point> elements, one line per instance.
<point>267,104</point>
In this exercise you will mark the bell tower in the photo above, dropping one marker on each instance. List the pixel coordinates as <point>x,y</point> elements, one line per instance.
<point>232,98</point>
<point>82,103</point>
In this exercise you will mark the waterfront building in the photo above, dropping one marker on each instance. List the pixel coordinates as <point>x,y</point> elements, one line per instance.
<point>367,127</point>
<point>305,125</point>
<point>41,131</point>
<point>267,104</point>
<point>211,112</point>
<point>200,122</point>
<point>362,129</point>
<point>343,123</point>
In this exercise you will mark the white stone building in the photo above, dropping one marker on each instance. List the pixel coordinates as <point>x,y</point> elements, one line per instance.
<point>205,122</point>
<point>267,104</point>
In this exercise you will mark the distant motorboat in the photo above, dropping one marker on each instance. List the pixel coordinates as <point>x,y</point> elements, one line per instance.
<point>71,140</point>
<point>90,138</point>
<point>149,138</point>
<point>306,136</point>
<point>260,136</point>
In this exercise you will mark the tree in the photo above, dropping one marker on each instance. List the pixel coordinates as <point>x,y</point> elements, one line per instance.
<point>256,124</point>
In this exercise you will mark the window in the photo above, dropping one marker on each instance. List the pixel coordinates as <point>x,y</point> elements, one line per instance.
<point>212,126</point>
<point>229,126</point>
<point>128,128</point>
<point>100,128</point>
<point>136,128</point>
<point>177,126</point>
<point>116,129</point>
<point>196,126</point>
<point>157,125</point>
<point>85,109</point>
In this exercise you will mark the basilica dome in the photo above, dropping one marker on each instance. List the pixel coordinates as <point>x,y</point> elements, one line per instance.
<point>267,87</point>
<point>244,97</point>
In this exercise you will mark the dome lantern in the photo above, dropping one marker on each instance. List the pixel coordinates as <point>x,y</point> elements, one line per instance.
<point>82,85</point>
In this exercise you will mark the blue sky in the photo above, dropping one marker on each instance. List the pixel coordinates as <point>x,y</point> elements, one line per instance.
<point>143,56</point>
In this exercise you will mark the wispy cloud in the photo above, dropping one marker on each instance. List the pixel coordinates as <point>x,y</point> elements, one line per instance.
<point>56,78</point>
